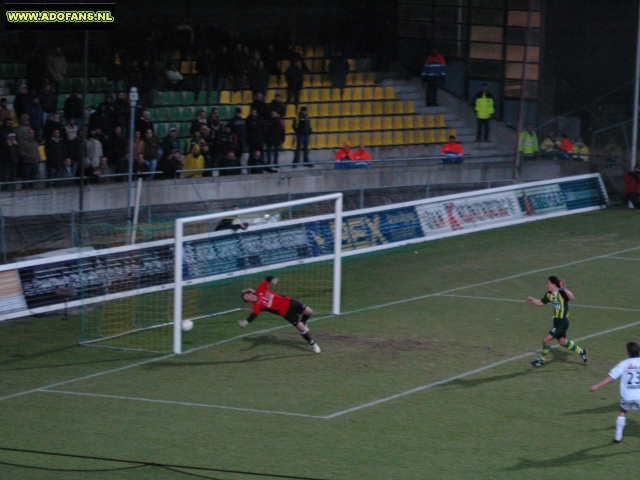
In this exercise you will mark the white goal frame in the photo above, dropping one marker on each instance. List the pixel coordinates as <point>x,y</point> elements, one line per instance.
<point>180,283</point>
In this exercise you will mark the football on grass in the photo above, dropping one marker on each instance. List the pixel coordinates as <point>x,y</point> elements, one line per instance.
<point>187,325</point>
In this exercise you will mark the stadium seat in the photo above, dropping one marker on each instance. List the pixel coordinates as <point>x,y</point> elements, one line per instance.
<point>440,121</point>
<point>312,109</point>
<point>352,64</point>
<point>319,51</point>
<point>316,80</point>
<point>409,137</point>
<point>398,138</point>
<point>378,108</point>
<point>306,81</point>
<point>358,80</point>
<point>325,95</point>
<point>202,99</point>
<point>322,125</point>
<point>344,125</point>
<point>289,142</point>
<point>354,139</point>
<point>376,123</point>
<point>312,142</point>
<point>398,124</point>
<point>162,114</point>
<point>343,138</point>
<point>291,111</point>
<point>367,108</point>
<point>378,93</point>
<point>318,65</point>
<point>453,133</point>
<point>183,130</point>
<point>185,67</point>
<point>308,64</point>
<point>370,79</point>
<point>409,107</point>
<point>356,124</point>
<point>161,130</point>
<point>356,108</point>
<point>345,109</point>
<point>429,121</point>
<point>309,52</point>
<point>174,114</point>
<point>187,114</point>
<point>418,121</point>
<point>321,141</point>
<point>334,125</point>
<point>365,124</point>
<point>225,97</point>
<point>236,98</point>
<point>347,94</point>
<point>288,128</point>
<point>61,100</point>
<point>389,93</point>
<point>298,49</point>
<point>273,81</point>
<point>367,93</point>
<point>387,123</point>
<point>336,95</point>
<point>398,108</point>
<point>357,94</point>
<point>442,136</point>
<point>271,95</point>
<point>304,95</point>
<point>332,141</point>
<point>387,108</point>
<point>430,136</point>
<point>284,65</point>
<point>315,95</point>
<point>282,82</point>
<point>326,80</point>
<point>387,138</point>
<point>323,110</point>
<point>350,78</point>
<point>376,139</point>
<point>408,121</point>
<point>334,109</point>
<point>314,124</point>
<point>419,137</point>
<point>247,97</point>
<point>365,139</point>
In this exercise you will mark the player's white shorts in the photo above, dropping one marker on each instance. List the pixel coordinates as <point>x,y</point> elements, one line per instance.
<point>629,404</point>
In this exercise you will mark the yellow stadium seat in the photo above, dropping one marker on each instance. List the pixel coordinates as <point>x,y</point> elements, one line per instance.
<point>334,125</point>
<point>246,110</point>
<point>356,124</point>
<point>387,138</point>
<point>376,123</point>
<point>332,141</point>
<point>318,65</point>
<point>309,52</point>
<point>304,95</point>
<point>315,95</point>
<point>388,108</point>
<point>365,123</point>
<point>291,111</point>
<point>418,121</point>
<point>345,109</point>
<point>367,93</point>
<point>358,80</point>
<point>408,121</point>
<point>284,65</point>
<point>378,93</point>
<point>322,125</point>
<point>312,141</point>
<point>344,125</point>
<point>319,51</point>
<point>308,63</point>
<point>273,81</point>
<point>387,123</point>
<point>335,95</point>
<point>326,80</point>
<point>247,97</point>
<point>430,136</point>
<point>376,139</point>
<point>289,142</point>
<point>325,95</point>
<point>236,98</point>
<point>378,108</point>
<point>398,124</point>
<point>225,97</point>
<point>419,136</point>
<point>282,82</point>
<point>352,64</point>
<point>185,67</point>
<point>367,108</point>
<point>429,121</point>
<point>323,110</point>
<point>398,138</point>
<point>389,94</point>
<point>442,136</point>
<point>288,127</point>
<point>306,81</point>
<point>440,121</point>
<point>271,94</point>
<point>409,107</point>
<point>314,124</point>
<point>350,78</point>
<point>354,139</point>
<point>370,79</point>
<point>298,49</point>
<point>409,137</point>
<point>316,80</point>
<point>356,108</point>
<point>347,94</point>
<point>398,108</point>
<point>334,109</point>
<point>365,139</point>
<point>357,94</point>
<point>343,138</point>
<point>42,152</point>
<point>321,141</point>
<point>453,133</point>
<point>312,109</point>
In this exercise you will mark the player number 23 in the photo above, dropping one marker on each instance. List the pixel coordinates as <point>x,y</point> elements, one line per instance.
<point>633,375</point>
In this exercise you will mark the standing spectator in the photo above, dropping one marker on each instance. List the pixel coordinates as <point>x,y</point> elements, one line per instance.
<point>196,139</point>
<point>339,68</point>
<point>277,105</point>
<point>140,167</point>
<point>75,150</point>
<point>101,119</point>
<point>149,83</point>
<point>4,111</point>
<point>23,129</point>
<point>566,148</point>
<point>56,68</point>
<point>70,130</point>
<point>227,141</point>
<point>452,152</point>
<point>302,127</point>
<point>94,151</point>
<point>10,159</point>
<point>214,122</point>
<point>193,161</point>
<point>66,170</point>
<point>230,160</point>
<point>171,164</point>
<point>223,69</point>
<point>36,72</point>
<point>632,187</point>
<point>6,128</point>
<point>199,121</point>
<point>115,149</point>
<point>205,68</point>
<point>151,151</point>
<point>528,144</point>
<point>273,138</point>
<point>144,122</point>
<point>207,153</point>
<point>54,124</point>
<point>484,107</point>
<point>293,76</point>
<point>433,75</point>
<point>29,157</point>
<point>185,38</point>
<point>255,131</point>
<point>550,146</point>
<point>260,106</point>
<point>102,170</point>
<point>22,101</point>
<point>259,79</point>
<point>48,102</point>
<point>115,74</point>
<point>170,143</point>
<point>174,77</point>
<point>74,108</point>
<point>271,61</point>
<point>55,151</point>
<point>36,116</point>
<point>239,128</point>
<point>121,112</point>
<point>580,151</point>
<point>239,65</point>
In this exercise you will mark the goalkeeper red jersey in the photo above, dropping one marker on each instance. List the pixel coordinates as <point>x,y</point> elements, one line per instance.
<point>270,301</point>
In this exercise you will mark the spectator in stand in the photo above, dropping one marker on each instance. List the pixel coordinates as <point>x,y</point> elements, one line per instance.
<point>632,187</point>
<point>339,68</point>
<point>550,146</point>
<point>293,76</point>
<point>116,149</point>
<point>102,170</point>
<point>144,122</point>
<point>451,152</point>
<point>140,167</point>
<point>344,153</point>
<point>277,105</point>
<point>10,154</point>
<point>302,127</point>
<point>230,160</point>
<point>6,128</point>
<point>361,154</point>
<point>580,151</point>
<point>22,101</point>
<point>55,151</point>
<point>170,143</point>
<point>259,79</point>
<point>134,75</point>
<point>613,152</point>
<point>29,158</point>
<point>239,66</point>
<point>56,68</point>
<point>74,108</point>
<point>121,112</point>
<point>253,61</point>
<point>484,107</point>
<point>75,149</point>
<point>66,170</point>
<point>528,144</point>
<point>174,78</point>
<point>227,141</point>
<point>199,121</point>
<point>196,139</point>
<point>255,131</point>
<point>4,111</point>
<point>433,75</point>
<point>271,61</point>
<point>115,74</point>
<point>205,65</point>
<point>95,150</point>
<point>185,38</point>
<point>36,117</point>
<point>239,128</point>
<point>36,72</point>
<point>566,148</point>
<point>223,69</point>
<point>205,134</point>
<point>138,144</point>
<point>151,151</point>
<point>48,102</point>
<point>171,163</point>
<point>54,124</point>
<point>255,161</point>
<point>260,106</point>
<point>273,138</point>
<point>213,122</point>
<point>70,130</point>
<point>149,84</point>
<point>193,161</point>
<point>101,119</point>
<point>207,153</point>
<point>23,129</point>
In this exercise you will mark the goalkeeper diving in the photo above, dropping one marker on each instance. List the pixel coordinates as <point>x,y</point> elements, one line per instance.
<point>264,300</point>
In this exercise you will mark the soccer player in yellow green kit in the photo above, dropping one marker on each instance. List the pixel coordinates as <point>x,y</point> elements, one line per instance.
<point>558,296</point>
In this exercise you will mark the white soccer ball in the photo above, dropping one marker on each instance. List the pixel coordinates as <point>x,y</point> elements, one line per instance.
<point>187,325</point>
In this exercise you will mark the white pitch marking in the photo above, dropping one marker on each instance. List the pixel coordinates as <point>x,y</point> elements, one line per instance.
<point>626,258</point>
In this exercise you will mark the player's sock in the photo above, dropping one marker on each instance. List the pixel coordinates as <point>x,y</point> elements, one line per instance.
<point>571,345</point>
<point>304,319</point>
<point>307,337</point>
<point>545,351</point>
<point>620,423</point>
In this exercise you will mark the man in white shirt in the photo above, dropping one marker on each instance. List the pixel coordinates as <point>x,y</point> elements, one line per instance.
<point>628,371</point>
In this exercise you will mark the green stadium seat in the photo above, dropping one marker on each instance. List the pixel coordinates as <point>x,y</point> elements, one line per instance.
<point>213,98</point>
<point>162,114</point>
<point>188,114</point>
<point>189,98</point>
<point>183,131</point>
<point>161,130</point>
<point>61,100</point>
<point>174,114</point>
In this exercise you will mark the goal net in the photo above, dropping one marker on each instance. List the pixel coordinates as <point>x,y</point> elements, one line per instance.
<point>198,275</point>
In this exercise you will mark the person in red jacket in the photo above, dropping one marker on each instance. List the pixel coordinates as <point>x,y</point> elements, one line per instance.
<point>264,300</point>
<point>344,153</point>
<point>632,187</point>
<point>433,75</point>
<point>361,154</point>
<point>452,151</point>
<point>566,148</point>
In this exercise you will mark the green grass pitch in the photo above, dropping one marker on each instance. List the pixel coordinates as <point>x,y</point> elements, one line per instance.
<point>425,375</point>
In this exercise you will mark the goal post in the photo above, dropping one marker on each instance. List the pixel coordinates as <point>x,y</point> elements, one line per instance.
<point>255,250</point>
